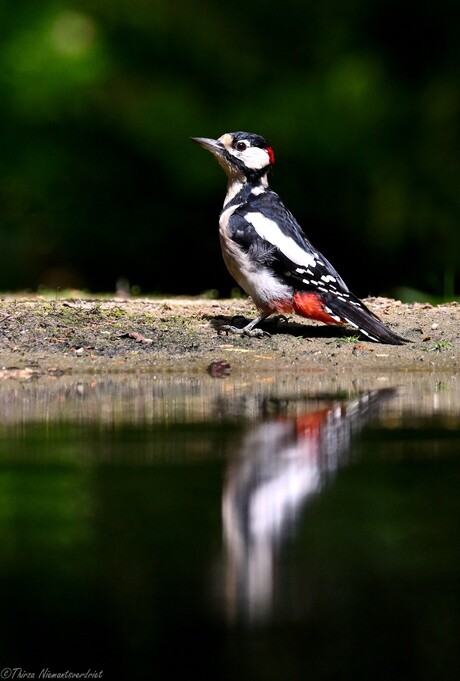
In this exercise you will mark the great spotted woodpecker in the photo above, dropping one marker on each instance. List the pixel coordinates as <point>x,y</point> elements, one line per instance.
<point>268,254</point>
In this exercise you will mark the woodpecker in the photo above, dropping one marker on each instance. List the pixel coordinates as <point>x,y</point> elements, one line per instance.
<point>268,254</point>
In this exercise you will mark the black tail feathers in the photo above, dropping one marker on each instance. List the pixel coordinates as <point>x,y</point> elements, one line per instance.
<point>355,312</point>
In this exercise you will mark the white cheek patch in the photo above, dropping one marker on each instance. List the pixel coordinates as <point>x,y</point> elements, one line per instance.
<point>269,230</point>
<point>255,158</point>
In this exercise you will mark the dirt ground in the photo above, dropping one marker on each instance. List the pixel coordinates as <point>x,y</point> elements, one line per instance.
<point>46,336</point>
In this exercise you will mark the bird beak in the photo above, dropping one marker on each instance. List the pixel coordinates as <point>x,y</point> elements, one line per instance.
<point>214,146</point>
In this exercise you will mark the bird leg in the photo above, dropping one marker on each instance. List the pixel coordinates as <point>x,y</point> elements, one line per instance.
<point>247,330</point>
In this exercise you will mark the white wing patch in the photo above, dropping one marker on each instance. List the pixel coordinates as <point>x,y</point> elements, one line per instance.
<point>269,230</point>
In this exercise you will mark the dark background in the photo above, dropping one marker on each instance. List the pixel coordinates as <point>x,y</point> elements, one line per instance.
<point>98,99</point>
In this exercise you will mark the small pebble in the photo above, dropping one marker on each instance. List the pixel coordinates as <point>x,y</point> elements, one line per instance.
<point>434,326</point>
<point>219,369</point>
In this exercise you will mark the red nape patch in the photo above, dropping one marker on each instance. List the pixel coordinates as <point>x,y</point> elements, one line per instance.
<point>310,305</point>
<point>271,154</point>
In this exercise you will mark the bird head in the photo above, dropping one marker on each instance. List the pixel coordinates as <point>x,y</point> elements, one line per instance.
<point>242,155</point>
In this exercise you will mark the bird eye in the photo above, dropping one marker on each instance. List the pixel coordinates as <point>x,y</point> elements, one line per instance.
<point>241,146</point>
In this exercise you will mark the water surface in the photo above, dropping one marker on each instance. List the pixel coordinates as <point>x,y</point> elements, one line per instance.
<point>277,527</point>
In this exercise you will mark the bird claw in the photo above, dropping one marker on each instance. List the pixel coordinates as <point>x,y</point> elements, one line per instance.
<point>257,333</point>
<point>251,333</point>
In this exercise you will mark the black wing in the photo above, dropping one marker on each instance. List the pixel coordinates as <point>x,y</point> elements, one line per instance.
<point>268,231</point>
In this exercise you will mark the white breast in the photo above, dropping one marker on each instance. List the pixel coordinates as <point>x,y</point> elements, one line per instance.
<point>260,283</point>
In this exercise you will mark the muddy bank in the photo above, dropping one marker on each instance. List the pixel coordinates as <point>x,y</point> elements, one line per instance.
<point>47,337</point>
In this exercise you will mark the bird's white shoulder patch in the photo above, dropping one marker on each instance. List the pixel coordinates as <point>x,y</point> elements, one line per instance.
<point>269,230</point>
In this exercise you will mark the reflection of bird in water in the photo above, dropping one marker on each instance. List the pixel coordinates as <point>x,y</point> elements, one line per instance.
<point>281,462</point>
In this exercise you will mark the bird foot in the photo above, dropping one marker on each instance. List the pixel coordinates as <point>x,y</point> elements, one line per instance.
<point>251,333</point>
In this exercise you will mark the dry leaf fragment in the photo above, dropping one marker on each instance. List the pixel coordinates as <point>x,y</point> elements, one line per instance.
<point>138,337</point>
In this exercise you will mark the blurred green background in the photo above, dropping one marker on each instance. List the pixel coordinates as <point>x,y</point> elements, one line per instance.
<point>98,99</point>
